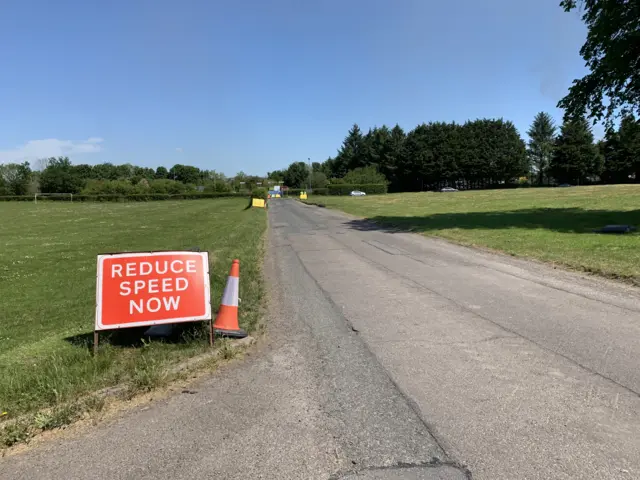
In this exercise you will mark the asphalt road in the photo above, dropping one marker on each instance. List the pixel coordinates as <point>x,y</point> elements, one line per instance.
<point>393,356</point>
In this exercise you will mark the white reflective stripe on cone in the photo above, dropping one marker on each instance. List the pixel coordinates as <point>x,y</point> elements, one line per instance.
<point>230,296</point>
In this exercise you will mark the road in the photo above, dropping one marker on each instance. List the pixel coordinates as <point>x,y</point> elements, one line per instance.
<point>388,356</point>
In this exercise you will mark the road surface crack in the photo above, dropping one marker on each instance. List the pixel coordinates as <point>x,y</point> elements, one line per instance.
<point>433,463</point>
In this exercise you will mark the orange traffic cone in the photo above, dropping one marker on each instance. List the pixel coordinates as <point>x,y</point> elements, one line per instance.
<point>226,323</point>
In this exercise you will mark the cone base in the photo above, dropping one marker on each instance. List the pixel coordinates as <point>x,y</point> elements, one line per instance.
<point>230,333</point>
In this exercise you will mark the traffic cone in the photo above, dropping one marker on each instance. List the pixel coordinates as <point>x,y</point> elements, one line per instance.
<point>226,323</point>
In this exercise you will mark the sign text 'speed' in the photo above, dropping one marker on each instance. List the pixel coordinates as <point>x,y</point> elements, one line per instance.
<point>166,285</point>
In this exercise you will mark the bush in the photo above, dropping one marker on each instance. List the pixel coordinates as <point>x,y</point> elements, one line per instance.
<point>218,186</point>
<point>164,185</point>
<point>124,187</point>
<point>364,176</point>
<point>259,193</point>
<point>345,189</point>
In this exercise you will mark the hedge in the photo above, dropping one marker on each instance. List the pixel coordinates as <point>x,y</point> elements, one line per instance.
<point>344,189</point>
<point>140,197</point>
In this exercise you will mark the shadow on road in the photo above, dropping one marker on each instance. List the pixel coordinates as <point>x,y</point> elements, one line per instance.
<point>564,220</point>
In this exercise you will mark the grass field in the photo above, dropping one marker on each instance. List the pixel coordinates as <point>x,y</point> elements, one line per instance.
<point>47,290</point>
<point>551,224</point>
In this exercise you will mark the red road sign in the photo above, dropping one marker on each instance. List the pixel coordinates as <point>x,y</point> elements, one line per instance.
<point>152,288</point>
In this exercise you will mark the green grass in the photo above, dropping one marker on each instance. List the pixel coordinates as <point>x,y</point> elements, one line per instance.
<point>47,293</point>
<point>552,224</point>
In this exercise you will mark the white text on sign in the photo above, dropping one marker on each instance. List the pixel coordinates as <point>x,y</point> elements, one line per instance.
<point>155,285</point>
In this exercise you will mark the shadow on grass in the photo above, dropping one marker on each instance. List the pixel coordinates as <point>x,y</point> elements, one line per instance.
<point>136,337</point>
<point>564,220</point>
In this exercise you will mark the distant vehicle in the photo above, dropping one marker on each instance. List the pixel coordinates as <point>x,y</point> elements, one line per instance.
<point>565,185</point>
<point>448,189</point>
<point>357,193</point>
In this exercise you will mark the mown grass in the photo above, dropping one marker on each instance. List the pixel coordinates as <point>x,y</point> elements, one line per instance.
<point>551,224</point>
<point>47,296</point>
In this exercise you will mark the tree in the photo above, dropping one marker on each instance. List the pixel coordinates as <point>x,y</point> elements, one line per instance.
<point>185,174</point>
<point>621,150</point>
<point>351,154</point>
<point>490,151</point>
<point>276,175</point>
<point>542,135</point>
<point>418,166</point>
<point>377,147</point>
<point>297,175</point>
<point>124,171</point>
<point>612,55</point>
<point>83,171</point>
<point>575,157</point>
<point>211,176</point>
<point>615,170</point>
<point>444,143</point>
<point>318,179</point>
<point>61,176</point>
<point>328,167</point>
<point>511,151</point>
<point>143,172</point>
<point>395,158</point>
<point>431,152</point>
<point>105,171</point>
<point>162,172</point>
<point>4,190</point>
<point>629,152</point>
<point>15,178</point>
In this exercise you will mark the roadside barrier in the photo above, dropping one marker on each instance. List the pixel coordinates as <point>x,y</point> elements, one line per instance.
<point>226,323</point>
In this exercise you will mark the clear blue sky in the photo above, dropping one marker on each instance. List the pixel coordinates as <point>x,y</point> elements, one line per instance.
<point>253,85</point>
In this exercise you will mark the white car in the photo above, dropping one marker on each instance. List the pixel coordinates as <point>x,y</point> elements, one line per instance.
<point>357,193</point>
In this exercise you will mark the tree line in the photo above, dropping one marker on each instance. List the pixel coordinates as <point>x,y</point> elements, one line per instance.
<point>60,175</point>
<point>477,154</point>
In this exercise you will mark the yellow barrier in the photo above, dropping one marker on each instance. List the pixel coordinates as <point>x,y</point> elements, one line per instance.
<point>303,195</point>
<point>257,202</point>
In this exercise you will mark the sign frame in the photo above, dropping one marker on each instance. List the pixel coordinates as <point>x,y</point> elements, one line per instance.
<point>207,316</point>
